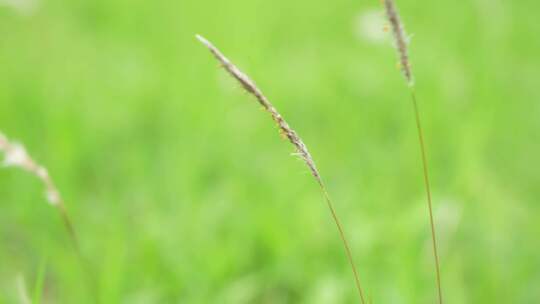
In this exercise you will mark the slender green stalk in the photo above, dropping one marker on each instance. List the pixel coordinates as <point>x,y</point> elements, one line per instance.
<point>344,240</point>
<point>294,139</point>
<point>428,192</point>
<point>22,291</point>
<point>40,279</point>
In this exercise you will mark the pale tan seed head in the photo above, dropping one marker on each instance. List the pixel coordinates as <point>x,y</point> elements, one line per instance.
<point>250,86</point>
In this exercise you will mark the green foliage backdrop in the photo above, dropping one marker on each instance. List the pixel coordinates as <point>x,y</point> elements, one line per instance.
<point>182,191</point>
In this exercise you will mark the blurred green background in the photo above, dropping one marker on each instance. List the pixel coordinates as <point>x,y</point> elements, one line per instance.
<point>182,191</point>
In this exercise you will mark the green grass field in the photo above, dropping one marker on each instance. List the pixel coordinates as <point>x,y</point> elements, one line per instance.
<point>182,191</point>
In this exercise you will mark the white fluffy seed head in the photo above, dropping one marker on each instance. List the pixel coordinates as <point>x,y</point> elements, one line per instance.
<point>16,156</point>
<point>42,173</point>
<point>53,197</point>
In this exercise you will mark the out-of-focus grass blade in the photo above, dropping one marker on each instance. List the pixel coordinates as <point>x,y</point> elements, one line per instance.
<point>40,280</point>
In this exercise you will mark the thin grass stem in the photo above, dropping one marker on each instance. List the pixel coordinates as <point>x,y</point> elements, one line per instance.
<point>428,193</point>
<point>401,42</point>
<point>301,149</point>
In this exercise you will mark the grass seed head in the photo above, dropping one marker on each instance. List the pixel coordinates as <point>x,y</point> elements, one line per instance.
<point>250,86</point>
<point>401,40</point>
<point>15,155</point>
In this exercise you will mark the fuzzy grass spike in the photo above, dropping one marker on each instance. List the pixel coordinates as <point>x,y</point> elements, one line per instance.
<point>401,41</point>
<point>301,149</point>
